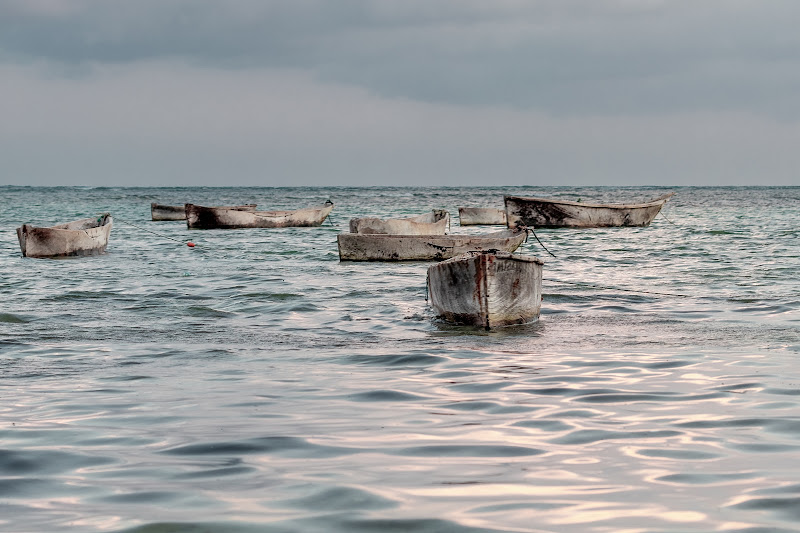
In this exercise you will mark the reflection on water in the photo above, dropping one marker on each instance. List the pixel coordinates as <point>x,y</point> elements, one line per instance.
<point>255,383</point>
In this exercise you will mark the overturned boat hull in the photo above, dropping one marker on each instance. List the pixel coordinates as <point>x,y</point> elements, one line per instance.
<point>200,217</point>
<point>371,247</point>
<point>487,289</point>
<point>434,223</point>
<point>551,213</point>
<point>88,236</point>
<point>476,216</point>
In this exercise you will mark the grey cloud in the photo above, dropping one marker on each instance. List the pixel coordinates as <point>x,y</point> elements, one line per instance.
<point>603,57</point>
<point>167,123</point>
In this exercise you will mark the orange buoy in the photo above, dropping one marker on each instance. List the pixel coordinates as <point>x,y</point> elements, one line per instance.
<point>190,244</point>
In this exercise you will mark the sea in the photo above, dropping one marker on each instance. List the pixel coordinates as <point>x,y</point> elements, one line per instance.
<point>255,383</point>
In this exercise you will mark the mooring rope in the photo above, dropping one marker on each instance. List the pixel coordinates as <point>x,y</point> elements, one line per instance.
<point>540,242</point>
<point>612,288</point>
<point>190,244</point>
<point>329,217</point>
<point>665,218</point>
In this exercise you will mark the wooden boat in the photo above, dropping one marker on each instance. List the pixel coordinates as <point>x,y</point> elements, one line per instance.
<point>474,216</point>
<point>161,212</point>
<point>434,223</point>
<point>88,236</point>
<point>552,213</point>
<point>199,217</point>
<point>372,247</point>
<point>487,289</point>
<point>167,212</point>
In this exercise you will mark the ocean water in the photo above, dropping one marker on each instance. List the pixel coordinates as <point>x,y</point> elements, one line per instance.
<point>254,383</point>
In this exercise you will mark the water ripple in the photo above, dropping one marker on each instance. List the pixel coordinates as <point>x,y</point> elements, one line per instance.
<point>289,446</point>
<point>255,383</point>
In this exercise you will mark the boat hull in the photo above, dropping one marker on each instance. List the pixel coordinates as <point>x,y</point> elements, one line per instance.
<point>87,236</point>
<point>160,212</point>
<point>200,217</point>
<point>487,290</point>
<point>433,223</point>
<point>476,216</point>
<point>364,247</point>
<point>548,213</point>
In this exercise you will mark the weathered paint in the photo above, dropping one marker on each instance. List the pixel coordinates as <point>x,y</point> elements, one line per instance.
<point>161,212</point>
<point>88,236</point>
<point>487,289</point>
<point>487,216</point>
<point>366,247</point>
<point>199,217</point>
<point>551,213</point>
<point>434,223</point>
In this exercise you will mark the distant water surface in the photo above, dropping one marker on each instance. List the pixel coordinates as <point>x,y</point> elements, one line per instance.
<point>256,384</point>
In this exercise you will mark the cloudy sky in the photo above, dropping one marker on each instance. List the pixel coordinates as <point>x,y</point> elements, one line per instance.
<point>399,92</point>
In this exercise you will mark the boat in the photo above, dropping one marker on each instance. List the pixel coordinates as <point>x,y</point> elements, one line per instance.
<point>374,247</point>
<point>434,223</point>
<point>475,216</point>
<point>87,236</point>
<point>487,289</point>
<point>553,213</point>
<point>200,217</point>
<point>161,212</point>
<point>167,212</point>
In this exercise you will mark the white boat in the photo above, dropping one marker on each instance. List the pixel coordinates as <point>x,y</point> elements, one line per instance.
<point>87,236</point>
<point>200,217</point>
<point>434,223</point>
<point>372,247</point>
<point>160,212</point>
<point>476,216</point>
<point>487,289</point>
<point>553,213</point>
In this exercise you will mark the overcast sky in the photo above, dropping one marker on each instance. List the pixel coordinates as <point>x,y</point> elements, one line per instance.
<point>399,92</point>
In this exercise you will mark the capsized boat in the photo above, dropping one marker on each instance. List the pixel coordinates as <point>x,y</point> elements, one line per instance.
<point>553,213</point>
<point>373,247</point>
<point>87,236</point>
<point>475,216</point>
<point>161,212</point>
<point>200,217</point>
<point>487,289</point>
<point>434,223</point>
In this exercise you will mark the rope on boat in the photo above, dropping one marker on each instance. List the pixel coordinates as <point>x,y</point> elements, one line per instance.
<point>330,219</point>
<point>540,242</point>
<point>611,288</point>
<point>665,218</point>
<point>190,244</point>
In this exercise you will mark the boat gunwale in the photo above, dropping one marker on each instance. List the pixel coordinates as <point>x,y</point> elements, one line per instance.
<point>416,218</point>
<point>353,243</point>
<point>385,226</point>
<point>503,234</point>
<point>265,214</point>
<point>499,254</point>
<point>60,227</point>
<point>652,203</point>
